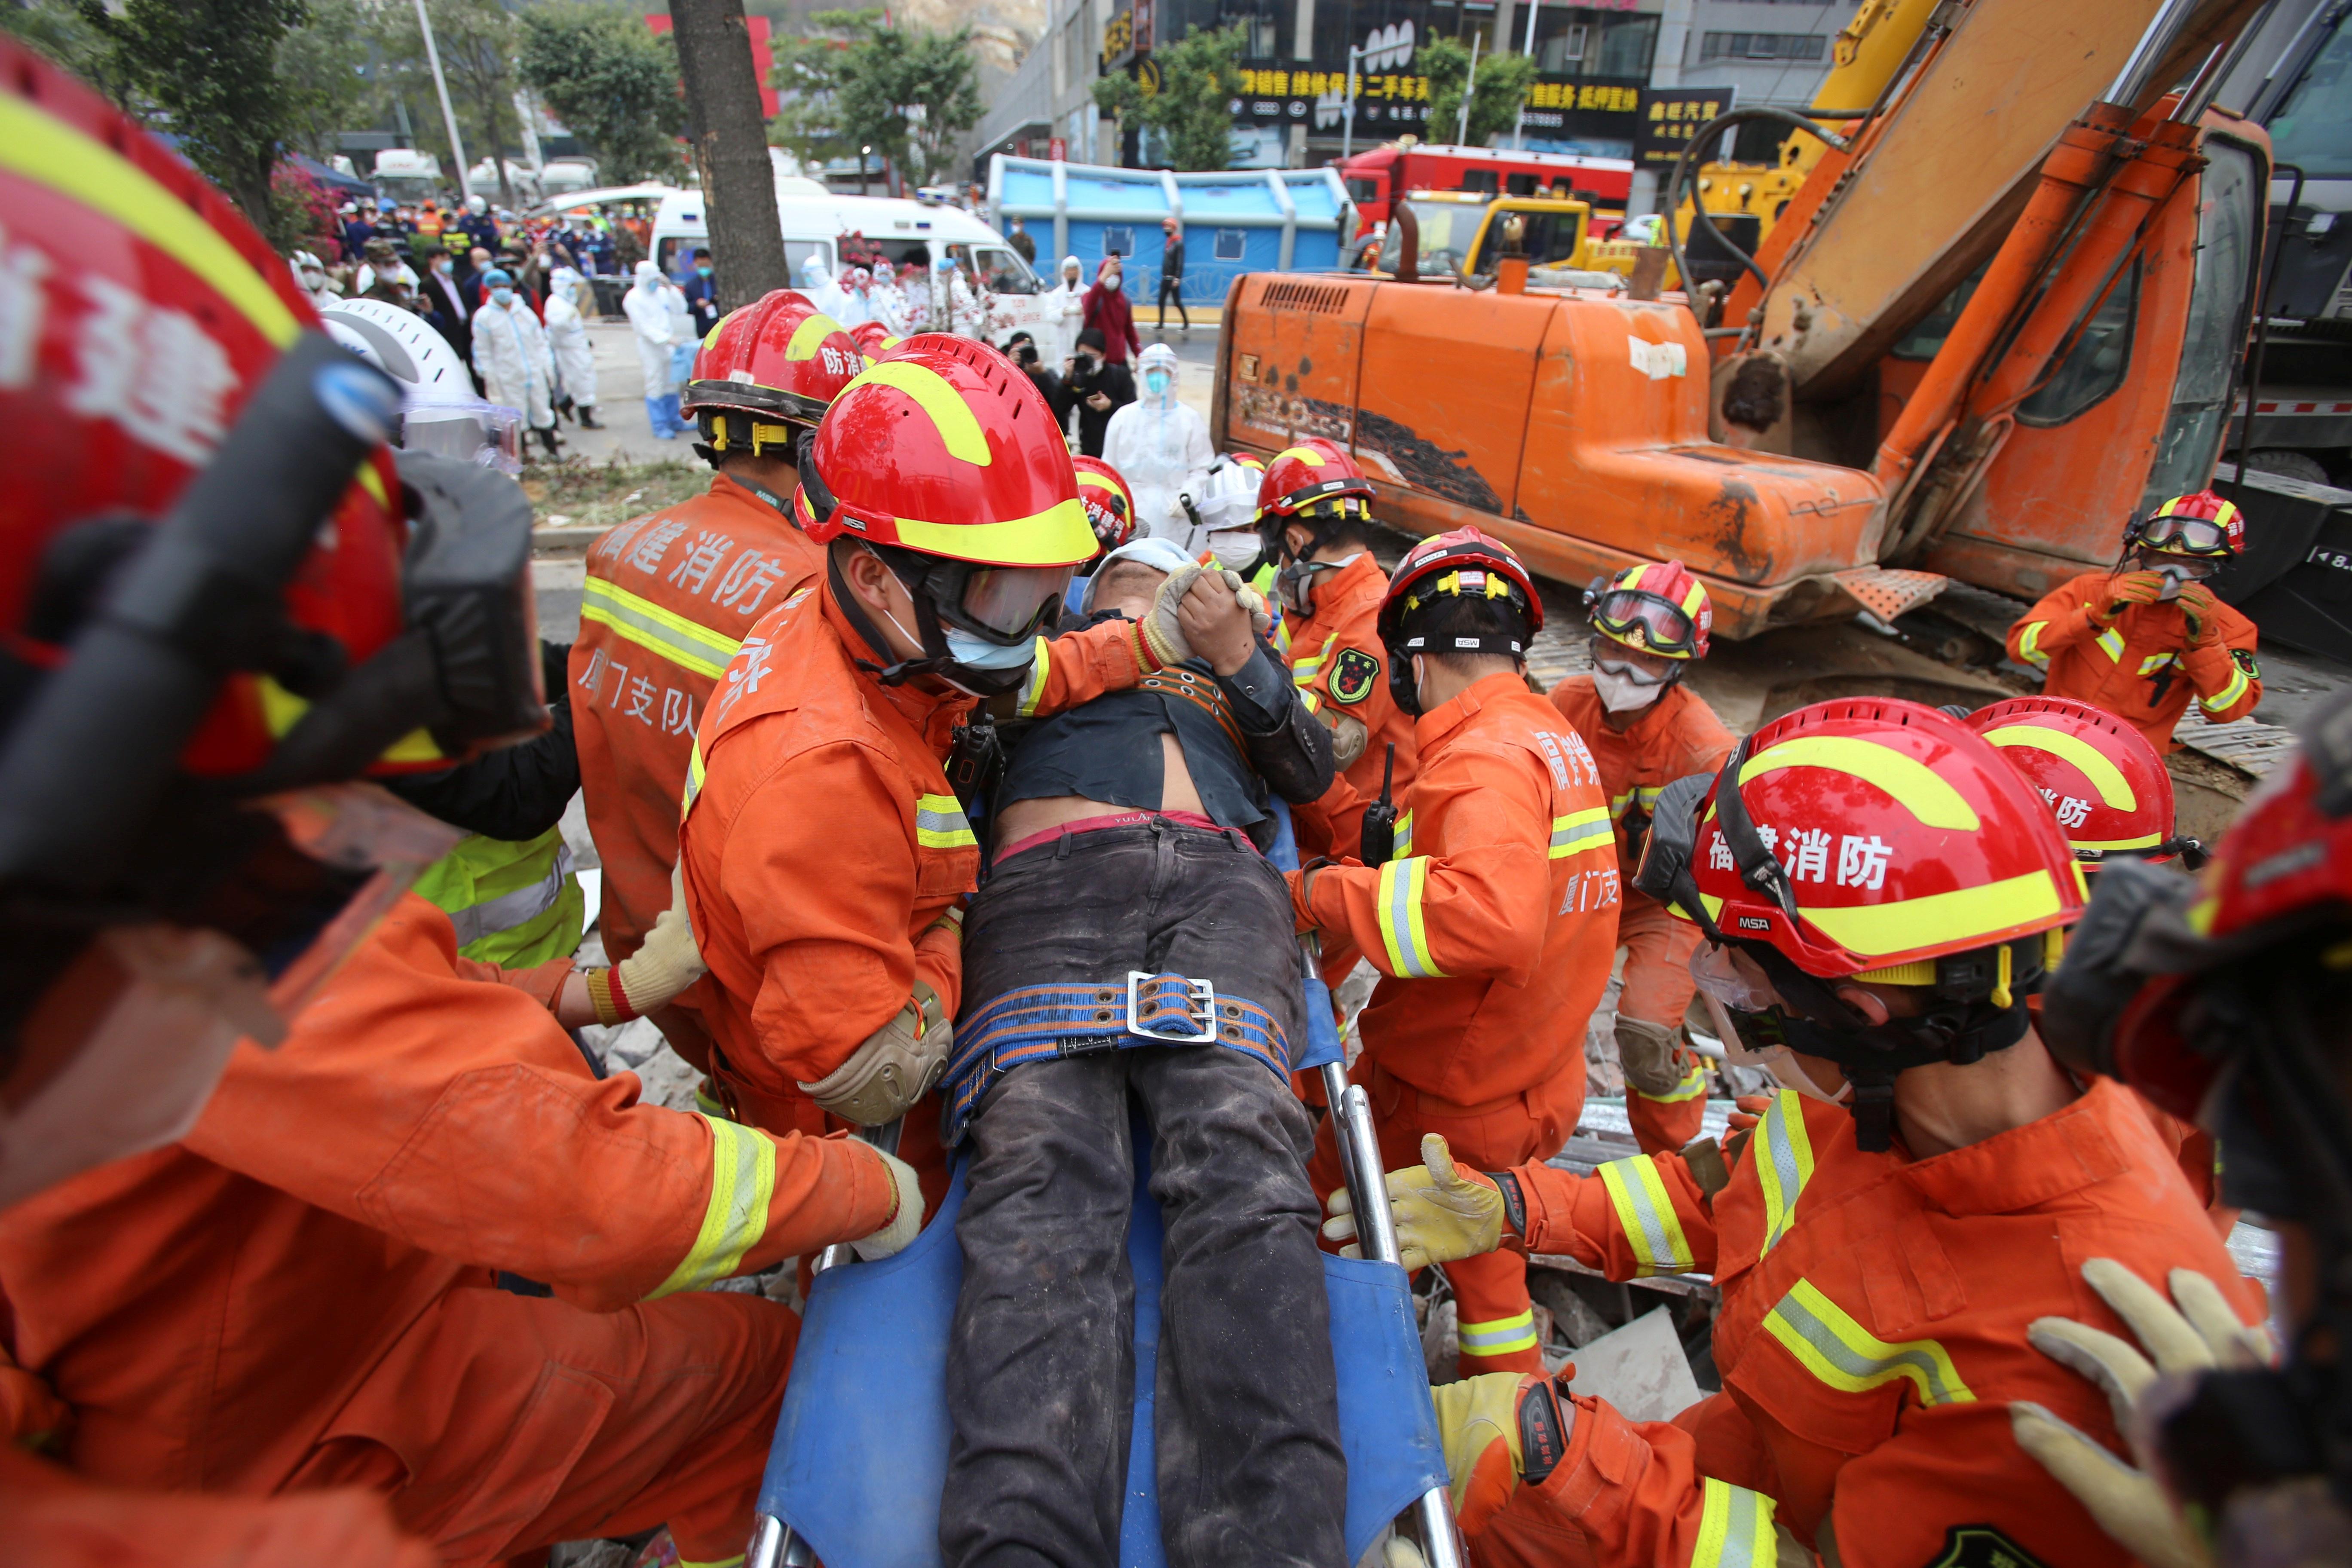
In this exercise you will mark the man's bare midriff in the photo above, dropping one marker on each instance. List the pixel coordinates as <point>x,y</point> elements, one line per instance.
<point>1025,818</point>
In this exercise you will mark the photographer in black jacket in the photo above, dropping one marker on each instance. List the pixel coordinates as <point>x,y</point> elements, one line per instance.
<point>1095,388</point>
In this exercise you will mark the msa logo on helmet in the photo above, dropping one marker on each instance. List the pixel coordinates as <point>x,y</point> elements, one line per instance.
<point>1754,922</point>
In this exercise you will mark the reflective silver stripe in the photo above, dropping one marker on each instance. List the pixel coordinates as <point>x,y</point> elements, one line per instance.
<point>509,910</point>
<point>1845,1355</point>
<point>1735,1528</point>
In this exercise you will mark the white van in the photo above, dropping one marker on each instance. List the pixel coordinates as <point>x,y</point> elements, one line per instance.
<point>814,219</point>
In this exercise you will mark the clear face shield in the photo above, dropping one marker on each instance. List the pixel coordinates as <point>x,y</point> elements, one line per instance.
<point>1741,1003</point>
<point>483,434</point>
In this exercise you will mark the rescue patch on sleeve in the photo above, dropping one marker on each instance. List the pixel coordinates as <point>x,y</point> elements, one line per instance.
<point>1353,675</point>
<point>2246,657</point>
<point>1982,1546</point>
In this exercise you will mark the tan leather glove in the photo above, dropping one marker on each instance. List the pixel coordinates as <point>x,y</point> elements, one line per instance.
<point>668,961</point>
<point>2124,592</point>
<point>898,1064</point>
<point>906,1220</point>
<point>2199,1334</point>
<point>1442,1212</point>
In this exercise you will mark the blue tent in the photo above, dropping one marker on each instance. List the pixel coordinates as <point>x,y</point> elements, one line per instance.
<point>1234,221</point>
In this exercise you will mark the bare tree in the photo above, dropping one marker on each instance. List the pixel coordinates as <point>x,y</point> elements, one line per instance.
<point>730,147</point>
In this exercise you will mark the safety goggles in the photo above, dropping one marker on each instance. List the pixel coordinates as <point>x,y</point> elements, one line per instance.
<point>1607,659</point>
<point>2185,536</point>
<point>1645,621</point>
<point>1006,605</point>
<point>1744,1008</point>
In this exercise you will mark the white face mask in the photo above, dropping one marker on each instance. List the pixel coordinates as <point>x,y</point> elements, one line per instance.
<point>1623,693</point>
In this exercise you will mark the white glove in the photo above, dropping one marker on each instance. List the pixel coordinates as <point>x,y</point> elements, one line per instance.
<point>2200,1334</point>
<point>906,1222</point>
<point>665,964</point>
<point>1161,633</point>
<point>1249,599</point>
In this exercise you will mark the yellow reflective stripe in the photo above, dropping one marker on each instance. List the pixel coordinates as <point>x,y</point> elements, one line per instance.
<point>1693,1086</point>
<point>1058,536</point>
<point>1033,687</point>
<point>2154,662</point>
<point>693,778</point>
<point>688,644</point>
<point>1403,884</point>
<point>2145,841</point>
<point>2105,776</point>
<point>941,824</point>
<point>1311,664</point>
<point>1871,930</point>
<point>2112,641</point>
<point>281,710</point>
<point>2228,694</point>
<point>1913,784</point>
<point>1845,1355</point>
<point>957,426</point>
<point>2028,645</point>
<point>1784,1163</point>
<point>708,1104</point>
<point>1647,1215</point>
<point>734,1561</point>
<point>1403,832</point>
<point>1579,830</point>
<point>1634,579</point>
<point>1307,455</point>
<point>1311,700</point>
<point>1694,599</point>
<point>1499,1336</point>
<point>742,1183</point>
<point>813,330</point>
<point>1735,1528</point>
<point>46,151</point>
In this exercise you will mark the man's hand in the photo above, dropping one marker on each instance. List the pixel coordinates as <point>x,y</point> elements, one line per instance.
<point>1442,1212</point>
<point>2197,607</point>
<point>2199,1335</point>
<point>1099,401</point>
<point>2124,592</point>
<point>1216,623</point>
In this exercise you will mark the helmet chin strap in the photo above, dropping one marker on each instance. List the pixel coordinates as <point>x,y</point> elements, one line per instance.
<point>936,660</point>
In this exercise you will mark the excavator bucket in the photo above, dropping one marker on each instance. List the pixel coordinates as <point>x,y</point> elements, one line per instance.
<point>1572,425</point>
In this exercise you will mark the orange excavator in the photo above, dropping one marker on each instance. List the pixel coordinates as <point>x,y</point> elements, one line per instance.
<point>2008,304</point>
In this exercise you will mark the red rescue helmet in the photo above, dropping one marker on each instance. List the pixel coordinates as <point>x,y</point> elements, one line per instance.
<point>2201,525</point>
<point>2110,791</point>
<point>1656,607</point>
<point>1447,568</point>
<point>225,601</point>
<point>1110,507</point>
<point>945,461</point>
<point>872,337</point>
<point>767,371</point>
<point>1313,478</point>
<point>1875,840</point>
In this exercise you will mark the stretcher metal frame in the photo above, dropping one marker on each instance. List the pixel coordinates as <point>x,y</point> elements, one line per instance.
<point>774,1545</point>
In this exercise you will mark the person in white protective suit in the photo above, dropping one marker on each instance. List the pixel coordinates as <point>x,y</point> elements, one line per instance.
<point>956,306</point>
<point>1162,448</point>
<point>817,284</point>
<point>649,314</point>
<point>310,275</point>
<point>887,301</point>
<point>857,302</point>
<point>511,356</point>
<point>685,338</point>
<point>1066,309</point>
<point>567,340</point>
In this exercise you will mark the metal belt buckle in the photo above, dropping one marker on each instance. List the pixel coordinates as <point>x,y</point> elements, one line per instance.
<point>1203,996</point>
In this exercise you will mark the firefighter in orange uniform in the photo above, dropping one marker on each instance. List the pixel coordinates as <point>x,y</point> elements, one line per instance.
<point>670,596</point>
<point>1110,506</point>
<point>1879,892</point>
<point>289,1288</point>
<point>2140,643</point>
<point>2113,797</point>
<point>1647,729</point>
<point>1314,516</point>
<point>1495,926</point>
<point>825,856</point>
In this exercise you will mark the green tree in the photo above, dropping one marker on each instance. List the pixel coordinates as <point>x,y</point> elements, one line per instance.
<point>58,29</point>
<point>476,39</point>
<point>208,72</point>
<point>1495,99</point>
<point>327,59</point>
<point>612,81</point>
<point>807,76</point>
<point>1200,76</point>
<point>909,95</point>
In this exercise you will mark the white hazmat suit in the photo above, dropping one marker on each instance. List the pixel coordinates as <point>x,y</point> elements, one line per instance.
<point>511,356</point>
<point>1161,449</point>
<point>659,331</point>
<point>1066,310</point>
<point>567,338</point>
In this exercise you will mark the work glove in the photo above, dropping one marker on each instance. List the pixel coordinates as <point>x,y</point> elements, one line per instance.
<point>1249,599</point>
<point>2198,608</point>
<point>2124,592</point>
<point>1481,1431</point>
<point>1442,1213</point>
<point>1161,634</point>
<point>665,964</point>
<point>906,1219</point>
<point>2199,1334</point>
<point>898,1064</point>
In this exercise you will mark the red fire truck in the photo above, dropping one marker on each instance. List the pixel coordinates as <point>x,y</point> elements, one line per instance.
<point>1375,178</point>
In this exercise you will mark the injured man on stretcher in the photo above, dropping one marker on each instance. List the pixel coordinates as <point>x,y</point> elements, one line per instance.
<point>1129,905</point>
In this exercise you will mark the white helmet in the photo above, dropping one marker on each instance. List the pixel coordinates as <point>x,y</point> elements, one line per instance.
<point>1226,498</point>
<point>439,412</point>
<point>476,205</point>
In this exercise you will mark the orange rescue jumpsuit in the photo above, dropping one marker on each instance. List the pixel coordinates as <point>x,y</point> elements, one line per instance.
<point>2141,669</point>
<point>1494,929</point>
<point>1871,1336</point>
<point>1673,738</point>
<point>299,1294</point>
<point>669,598</point>
<point>1337,661</point>
<point>824,849</point>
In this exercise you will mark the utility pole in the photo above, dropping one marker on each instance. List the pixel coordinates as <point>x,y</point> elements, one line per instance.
<point>1520,124</point>
<point>730,148</point>
<point>1347,125</point>
<point>448,115</point>
<point>1469,86</point>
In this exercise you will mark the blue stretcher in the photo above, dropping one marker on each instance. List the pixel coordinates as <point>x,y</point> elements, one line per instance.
<point>870,1376</point>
